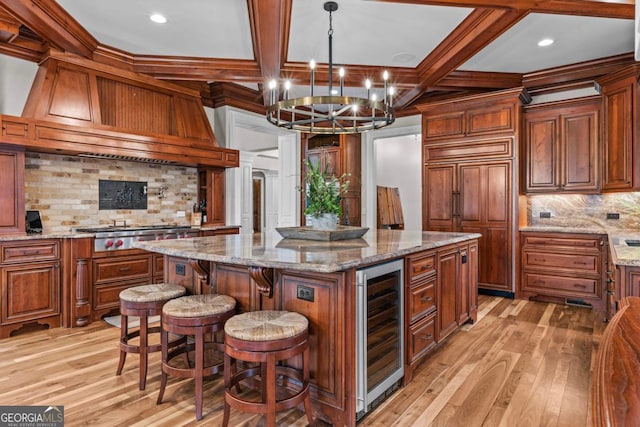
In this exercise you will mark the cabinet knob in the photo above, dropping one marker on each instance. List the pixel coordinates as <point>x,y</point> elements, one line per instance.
<point>426,299</point>
<point>427,337</point>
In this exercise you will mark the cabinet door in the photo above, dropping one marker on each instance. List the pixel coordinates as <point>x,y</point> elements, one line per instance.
<point>618,136</point>
<point>30,291</point>
<point>541,151</point>
<point>485,193</point>
<point>11,192</point>
<point>448,276</point>
<point>579,151</point>
<point>439,196</point>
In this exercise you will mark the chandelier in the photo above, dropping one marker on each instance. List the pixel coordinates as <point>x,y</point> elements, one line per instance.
<point>332,113</point>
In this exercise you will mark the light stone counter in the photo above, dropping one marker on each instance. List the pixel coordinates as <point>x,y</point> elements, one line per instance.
<point>39,236</point>
<point>621,252</point>
<point>270,250</point>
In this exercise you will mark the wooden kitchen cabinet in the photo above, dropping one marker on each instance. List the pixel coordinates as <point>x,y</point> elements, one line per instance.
<point>342,155</point>
<point>475,197</point>
<point>620,140</point>
<point>561,147</point>
<point>211,191</point>
<point>469,149</point>
<point>564,267</point>
<point>12,211</point>
<point>440,295</point>
<point>114,272</point>
<point>30,284</point>
<point>476,120</point>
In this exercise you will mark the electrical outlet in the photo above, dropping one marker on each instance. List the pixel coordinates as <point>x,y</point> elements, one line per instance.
<point>545,214</point>
<point>613,215</point>
<point>305,293</point>
<point>180,214</point>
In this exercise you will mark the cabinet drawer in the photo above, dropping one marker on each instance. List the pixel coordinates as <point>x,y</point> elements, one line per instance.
<point>422,265</point>
<point>108,270</point>
<point>108,296</point>
<point>422,298</point>
<point>563,242</point>
<point>30,251</point>
<point>422,336</point>
<point>560,285</point>
<point>583,263</point>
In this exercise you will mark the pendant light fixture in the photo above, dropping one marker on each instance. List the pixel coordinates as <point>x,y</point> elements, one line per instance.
<point>331,113</point>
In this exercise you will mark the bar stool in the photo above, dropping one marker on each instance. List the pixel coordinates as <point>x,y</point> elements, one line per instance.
<point>197,316</point>
<point>267,337</point>
<point>142,301</point>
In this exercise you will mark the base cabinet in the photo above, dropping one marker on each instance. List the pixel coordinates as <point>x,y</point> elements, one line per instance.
<point>30,284</point>
<point>564,267</point>
<point>114,272</point>
<point>441,293</point>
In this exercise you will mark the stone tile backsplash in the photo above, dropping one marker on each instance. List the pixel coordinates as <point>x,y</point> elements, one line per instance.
<point>585,210</point>
<point>65,191</point>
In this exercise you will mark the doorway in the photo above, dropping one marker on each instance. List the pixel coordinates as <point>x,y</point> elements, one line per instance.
<point>258,201</point>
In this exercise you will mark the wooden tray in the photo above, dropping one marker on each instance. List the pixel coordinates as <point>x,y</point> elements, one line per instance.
<point>343,232</point>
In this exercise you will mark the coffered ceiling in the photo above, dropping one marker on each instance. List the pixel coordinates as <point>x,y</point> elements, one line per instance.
<point>429,47</point>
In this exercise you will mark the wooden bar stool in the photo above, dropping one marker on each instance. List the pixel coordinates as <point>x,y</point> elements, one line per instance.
<point>267,337</point>
<point>198,316</point>
<point>143,301</point>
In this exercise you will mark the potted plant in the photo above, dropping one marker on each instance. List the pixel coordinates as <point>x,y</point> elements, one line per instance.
<point>323,193</point>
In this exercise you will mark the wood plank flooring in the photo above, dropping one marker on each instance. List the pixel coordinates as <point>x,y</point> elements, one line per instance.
<point>522,364</point>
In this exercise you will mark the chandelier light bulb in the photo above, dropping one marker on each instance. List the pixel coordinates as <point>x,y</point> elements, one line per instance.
<point>312,64</point>
<point>385,75</point>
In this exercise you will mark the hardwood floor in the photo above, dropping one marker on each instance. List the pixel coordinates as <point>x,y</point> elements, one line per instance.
<point>522,364</point>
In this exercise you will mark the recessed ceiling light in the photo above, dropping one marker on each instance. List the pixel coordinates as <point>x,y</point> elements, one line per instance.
<point>158,19</point>
<point>545,42</point>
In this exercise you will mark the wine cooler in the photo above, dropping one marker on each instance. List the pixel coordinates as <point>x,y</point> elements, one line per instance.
<point>380,334</point>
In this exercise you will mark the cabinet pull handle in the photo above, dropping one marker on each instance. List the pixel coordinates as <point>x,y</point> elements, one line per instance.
<point>426,299</point>
<point>124,269</point>
<point>578,285</point>
<point>579,263</point>
<point>427,337</point>
<point>33,252</point>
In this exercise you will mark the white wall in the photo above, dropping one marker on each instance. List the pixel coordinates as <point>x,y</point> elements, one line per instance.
<point>398,162</point>
<point>16,78</point>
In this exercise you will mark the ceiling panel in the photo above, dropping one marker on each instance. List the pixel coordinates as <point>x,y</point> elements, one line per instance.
<point>577,39</point>
<point>197,28</point>
<point>370,33</point>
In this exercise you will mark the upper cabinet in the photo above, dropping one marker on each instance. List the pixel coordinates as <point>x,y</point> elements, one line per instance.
<point>11,192</point>
<point>561,143</point>
<point>341,154</point>
<point>620,143</point>
<point>483,120</point>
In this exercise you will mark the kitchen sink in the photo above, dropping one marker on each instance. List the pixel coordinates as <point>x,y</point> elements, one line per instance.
<point>631,242</point>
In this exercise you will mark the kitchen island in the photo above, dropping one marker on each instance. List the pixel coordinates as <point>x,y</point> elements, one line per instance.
<point>318,279</point>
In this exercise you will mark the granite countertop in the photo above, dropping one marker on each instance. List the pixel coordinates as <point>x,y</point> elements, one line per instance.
<point>45,235</point>
<point>561,229</point>
<point>270,250</point>
<point>79,235</point>
<point>621,252</point>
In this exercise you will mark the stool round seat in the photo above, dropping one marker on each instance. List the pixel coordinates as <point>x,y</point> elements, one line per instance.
<point>154,292</point>
<point>267,338</point>
<point>142,301</point>
<point>199,305</point>
<point>199,317</point>
<point>266,325</point>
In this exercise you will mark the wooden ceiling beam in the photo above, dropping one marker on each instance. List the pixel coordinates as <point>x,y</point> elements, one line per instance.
<point>269,21</point>
<point>51,22</point>
<point>624,9</point>
<point>206,69</point>
<point>480,28</point>
<point>9,27</point>
<point>478,79</point>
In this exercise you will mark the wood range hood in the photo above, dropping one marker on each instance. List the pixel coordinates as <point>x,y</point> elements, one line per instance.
<point>80,107</point>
